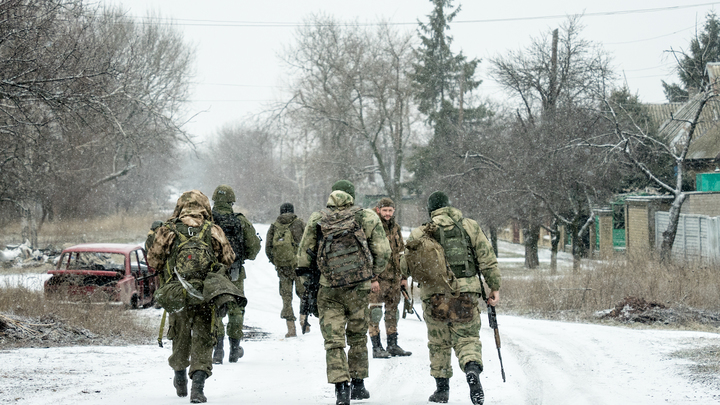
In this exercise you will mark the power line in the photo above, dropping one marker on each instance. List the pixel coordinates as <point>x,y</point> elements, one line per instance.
<point>276,24</point>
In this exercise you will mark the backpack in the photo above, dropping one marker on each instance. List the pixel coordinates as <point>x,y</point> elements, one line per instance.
<point>192,254</point>
<point>283,245</point>
<point>427,264</point>
<point>233,228</point>
<point>343,255</point>
<point>459,252</point>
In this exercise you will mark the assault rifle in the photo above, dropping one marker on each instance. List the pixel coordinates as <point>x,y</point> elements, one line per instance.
<point>308,303</point>
<point>408,307</point>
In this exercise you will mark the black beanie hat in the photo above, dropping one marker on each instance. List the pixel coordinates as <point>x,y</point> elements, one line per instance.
<point>287,207</point>
<point>346,186</point>
<point>437,200</point>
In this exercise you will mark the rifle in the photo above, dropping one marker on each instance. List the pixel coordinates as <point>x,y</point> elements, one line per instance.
<point>492,321</point>
<point>408,307</point>
<point>308,302</point>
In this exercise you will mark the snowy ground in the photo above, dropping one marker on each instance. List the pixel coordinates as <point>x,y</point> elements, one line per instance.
<point>546,362</point>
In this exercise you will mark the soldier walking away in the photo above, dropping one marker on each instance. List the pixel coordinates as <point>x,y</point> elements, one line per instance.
<point>451,306</point>
<point>350,248</point>
<point>246,245</point>
<point>194,255</point>
<point>390,280</point>
<point>281,245</point>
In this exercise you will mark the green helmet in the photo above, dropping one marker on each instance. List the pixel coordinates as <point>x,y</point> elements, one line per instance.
<point>223,194</point>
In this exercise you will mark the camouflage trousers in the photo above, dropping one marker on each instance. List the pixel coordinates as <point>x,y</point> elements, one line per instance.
<point>287,278</point>
<point>389,295</point>
<point>343,316</point>
<point>236,316</point>
<point>443,337</point>
<point>192,339</point>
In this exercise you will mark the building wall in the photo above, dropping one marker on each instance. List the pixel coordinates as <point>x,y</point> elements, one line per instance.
<point>702,203</point>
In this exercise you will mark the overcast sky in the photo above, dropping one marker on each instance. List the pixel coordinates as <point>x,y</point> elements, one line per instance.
<point>238,72</point>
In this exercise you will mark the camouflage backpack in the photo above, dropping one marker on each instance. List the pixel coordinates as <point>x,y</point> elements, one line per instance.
<point>343,255</point>
<point>458,249</point>
<point>283,247</point>
<point>427,264</point>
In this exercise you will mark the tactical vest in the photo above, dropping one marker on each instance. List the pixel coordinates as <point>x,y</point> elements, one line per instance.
<point>233,228</point>
<point>458,248</point>
<point>283,247</point>
<point>343,255</point>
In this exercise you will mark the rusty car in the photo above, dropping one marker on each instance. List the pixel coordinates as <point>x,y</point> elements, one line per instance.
<point>99,272</point>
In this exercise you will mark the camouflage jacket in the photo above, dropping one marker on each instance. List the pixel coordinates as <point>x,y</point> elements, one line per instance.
<point>371,225</point>
<point>486,260</point>
<point>397,247</point>
<point>297,228</point>
<point>193,209</point>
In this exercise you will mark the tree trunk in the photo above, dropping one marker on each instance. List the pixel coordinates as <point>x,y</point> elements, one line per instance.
<point>531,234</point>
<point>576,245</point>
<point>554,243</point>
<point>671,231</point>
<point>494,239</point>
<point>29,210</point>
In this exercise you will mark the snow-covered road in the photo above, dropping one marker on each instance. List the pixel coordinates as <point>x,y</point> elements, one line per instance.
<point>546,362</point>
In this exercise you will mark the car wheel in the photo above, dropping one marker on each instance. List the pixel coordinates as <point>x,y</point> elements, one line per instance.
<point>134,302</point>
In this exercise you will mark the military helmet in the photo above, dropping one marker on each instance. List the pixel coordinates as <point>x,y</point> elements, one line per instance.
<point>223,194</point>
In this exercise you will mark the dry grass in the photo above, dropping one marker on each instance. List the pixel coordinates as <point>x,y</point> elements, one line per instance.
<point>601,285</point>
<point>116,228</point>
<point>110,323</point>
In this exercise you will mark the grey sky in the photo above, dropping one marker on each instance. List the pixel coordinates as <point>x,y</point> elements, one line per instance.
<point>237,42</point>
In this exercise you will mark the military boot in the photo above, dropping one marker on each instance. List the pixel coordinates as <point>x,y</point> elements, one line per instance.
<point>219,352</point>
<point>180,383</point>
<point>393,347</point>
<point>442,392</point>
<point>196,389</point>
<point>357,389</point>
<point>291,329</point>
<point>378,351</point>
<point>236,351</point>
<point>303,327</point>
<point>472,374</point>
<point>342,392</point>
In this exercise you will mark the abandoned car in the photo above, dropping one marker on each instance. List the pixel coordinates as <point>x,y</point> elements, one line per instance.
<point>103,272</point>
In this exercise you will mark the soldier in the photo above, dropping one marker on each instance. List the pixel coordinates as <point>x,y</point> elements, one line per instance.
<point>246,245</point>
<point>390,280</point>
<point>350,248</point>
<point>281,244</point>
<point>190,328</point>
<point>453,320</point>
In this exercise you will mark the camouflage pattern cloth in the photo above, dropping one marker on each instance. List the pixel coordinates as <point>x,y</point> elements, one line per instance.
<point>462,335</point>
<point>344,316</point>
<point>236,313</point>
<point>344,310</point>
<point>389,280</point>
<point>286,275</point>
<point>190,329</point>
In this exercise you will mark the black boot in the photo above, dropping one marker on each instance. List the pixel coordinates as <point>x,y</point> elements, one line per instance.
<point>180,383</point>
<point>198,384</point>
<point>442,392</point>
<point>393,347</point>
<point>342,392</point>
<point>236,351</point>
<point>219,353</point>
<point>472,374</point>
<point>357,389</point>
<point>378,351</point>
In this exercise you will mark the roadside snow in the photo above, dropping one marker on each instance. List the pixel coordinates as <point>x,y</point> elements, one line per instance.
<point>546,362</point>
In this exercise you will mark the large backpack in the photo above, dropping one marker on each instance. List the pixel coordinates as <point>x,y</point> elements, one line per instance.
<point>192,254</point>
<point>284,248</point>
<point>343,255</point>
<point>458,248</point>
<point>233,228</point>
<point>427,264</point>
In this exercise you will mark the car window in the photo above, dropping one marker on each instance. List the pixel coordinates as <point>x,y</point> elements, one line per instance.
<point>97,261</point>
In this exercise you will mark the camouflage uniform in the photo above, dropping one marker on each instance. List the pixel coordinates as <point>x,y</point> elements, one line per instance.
<point>236,314</point>
<point>344,310</point>
<point>191,328</point>
<point>389,280</point>
<point>287,275</point>
<point>463,337</point>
